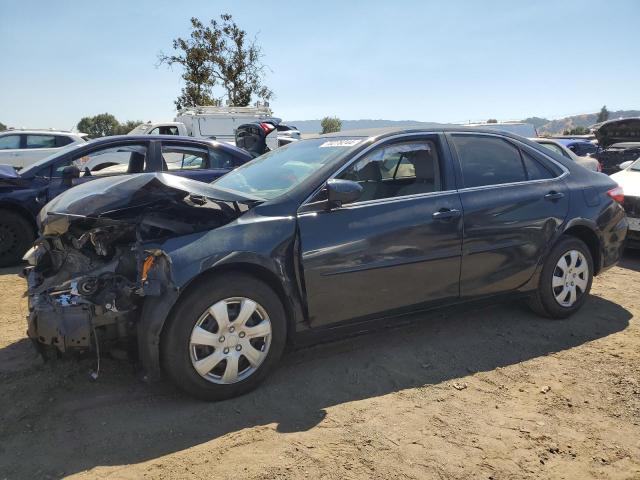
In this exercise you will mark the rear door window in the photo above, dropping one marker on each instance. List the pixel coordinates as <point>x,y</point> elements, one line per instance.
<point>221,158</point>
<point>178,157</point>
<point>8,142</point>
<point>41,141</point>
<point>487,160</point>
<point>63,140</point>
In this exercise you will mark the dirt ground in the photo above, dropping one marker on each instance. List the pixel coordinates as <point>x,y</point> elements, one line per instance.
<point>492,392</point>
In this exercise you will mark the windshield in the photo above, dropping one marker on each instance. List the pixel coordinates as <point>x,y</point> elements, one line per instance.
<point>275,173</point>
<point>34,167</point>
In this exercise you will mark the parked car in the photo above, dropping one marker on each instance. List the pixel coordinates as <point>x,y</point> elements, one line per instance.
<point>559,147</point>
<point>319,237</point>
<point>629,179</point>
<point>580,147</point>
<point>21,148</point>
<point>619,142</point>
<point>22,194</point>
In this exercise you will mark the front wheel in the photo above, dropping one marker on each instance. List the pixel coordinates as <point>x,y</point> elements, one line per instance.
<point>565,280</point>
<point>16,236</point>
<point>224,337</point>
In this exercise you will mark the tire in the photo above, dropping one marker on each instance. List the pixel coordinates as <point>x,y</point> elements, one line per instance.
<point>553,302</point>
<point>16,237</point>
<point>180,354</point>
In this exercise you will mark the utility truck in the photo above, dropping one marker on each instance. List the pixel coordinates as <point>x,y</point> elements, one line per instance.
<point>219,123</point>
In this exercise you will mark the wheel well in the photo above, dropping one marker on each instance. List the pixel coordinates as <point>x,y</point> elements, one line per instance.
<point>589,237</point>
<point>22,212</point>
<point>253,270</point>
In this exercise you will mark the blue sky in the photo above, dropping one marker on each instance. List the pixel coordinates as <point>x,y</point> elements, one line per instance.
<point>445,61</point>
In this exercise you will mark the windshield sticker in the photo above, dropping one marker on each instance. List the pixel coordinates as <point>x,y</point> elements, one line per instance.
<point>340,143</point>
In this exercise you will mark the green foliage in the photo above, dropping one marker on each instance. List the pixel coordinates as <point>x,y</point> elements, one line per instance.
<point>105,124</point>
<point>576,131</point>
<point>603,116</point>
<point>218,55</point>
<point>492,120</point>
<point>3,127</point>
<point>331,124</point>
<point>127,126</point>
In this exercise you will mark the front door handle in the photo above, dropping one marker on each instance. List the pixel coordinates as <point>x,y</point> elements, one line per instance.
<point>554,196</point>
<point>446,214</point>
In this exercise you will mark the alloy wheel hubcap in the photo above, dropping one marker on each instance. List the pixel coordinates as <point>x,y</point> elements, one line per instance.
<point>230,340</point>
<point>570,278</point>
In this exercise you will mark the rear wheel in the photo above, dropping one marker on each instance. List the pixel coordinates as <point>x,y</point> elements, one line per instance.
<point>565,281</point>
<point>16,236</point>
<point>223,339</point>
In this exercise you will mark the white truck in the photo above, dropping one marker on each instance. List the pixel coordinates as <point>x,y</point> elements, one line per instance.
<point>217,123</point>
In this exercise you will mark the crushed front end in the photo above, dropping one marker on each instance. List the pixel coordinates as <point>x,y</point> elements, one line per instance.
<point>84,282</point>
<point>100,257</point>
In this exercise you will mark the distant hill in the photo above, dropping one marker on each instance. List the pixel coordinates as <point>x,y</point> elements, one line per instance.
<point>553,127</point>
<point>544,126</point>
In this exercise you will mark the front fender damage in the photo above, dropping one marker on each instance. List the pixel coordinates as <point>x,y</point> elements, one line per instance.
<point>99,279</point>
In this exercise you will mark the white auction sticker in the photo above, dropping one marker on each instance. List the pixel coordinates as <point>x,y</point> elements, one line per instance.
<point>340,143</point>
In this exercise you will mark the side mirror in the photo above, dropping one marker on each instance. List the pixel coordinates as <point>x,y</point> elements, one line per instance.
<point>340,192</point>
<point>625,165</point>
<point>69,173</point>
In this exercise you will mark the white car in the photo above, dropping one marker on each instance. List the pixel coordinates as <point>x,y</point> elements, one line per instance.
<point>21,148</point>
<point>629,179</point>
<point>589,163</point>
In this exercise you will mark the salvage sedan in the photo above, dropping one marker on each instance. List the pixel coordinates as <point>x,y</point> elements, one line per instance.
<point>210,282</point>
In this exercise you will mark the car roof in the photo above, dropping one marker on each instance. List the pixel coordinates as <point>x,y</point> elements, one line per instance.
<point>571,141</point>
<point>15,131</point>
<point>173,138</point>
<point>383,132</point>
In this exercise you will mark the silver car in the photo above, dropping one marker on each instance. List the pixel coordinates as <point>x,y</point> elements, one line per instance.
<point>589,163</point>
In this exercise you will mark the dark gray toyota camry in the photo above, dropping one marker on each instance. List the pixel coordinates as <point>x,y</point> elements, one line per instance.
<point>207,283</point>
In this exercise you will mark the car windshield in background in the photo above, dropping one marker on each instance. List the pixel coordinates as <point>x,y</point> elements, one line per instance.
<point>275,173</point>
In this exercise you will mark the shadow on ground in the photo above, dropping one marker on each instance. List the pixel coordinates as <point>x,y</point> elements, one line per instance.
<point>631,260</point>
<point>55,421</point>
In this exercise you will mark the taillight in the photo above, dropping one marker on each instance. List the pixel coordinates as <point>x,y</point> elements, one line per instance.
<point>599,167</point>
<point>267,128</point>
<point>617,194</point>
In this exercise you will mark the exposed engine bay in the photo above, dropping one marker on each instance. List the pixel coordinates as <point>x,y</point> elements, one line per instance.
<point>90,271</point>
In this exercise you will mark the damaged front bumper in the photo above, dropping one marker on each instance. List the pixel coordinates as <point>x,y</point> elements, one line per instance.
<point>100,263</point>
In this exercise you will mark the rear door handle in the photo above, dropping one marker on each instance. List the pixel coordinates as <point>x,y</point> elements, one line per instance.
<point>554,196</point>
<point>446,214</point>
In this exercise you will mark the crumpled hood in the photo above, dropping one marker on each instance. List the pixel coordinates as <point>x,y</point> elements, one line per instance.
<point>618,131</point>
<point>7,171</point>
<point>129,196</point>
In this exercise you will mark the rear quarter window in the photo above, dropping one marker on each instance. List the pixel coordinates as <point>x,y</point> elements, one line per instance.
<point>63,140</point>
